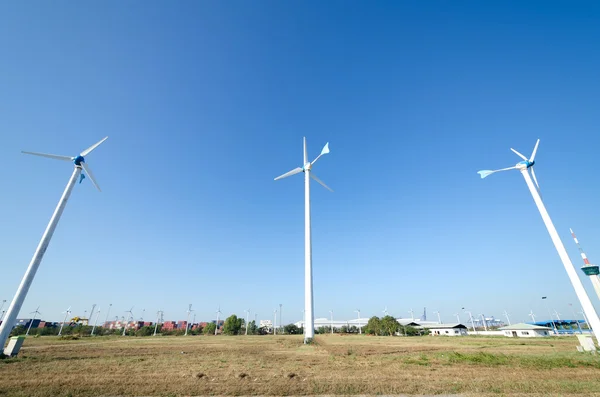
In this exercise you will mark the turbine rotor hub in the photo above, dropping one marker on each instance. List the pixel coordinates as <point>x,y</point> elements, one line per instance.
<point>78,160</point>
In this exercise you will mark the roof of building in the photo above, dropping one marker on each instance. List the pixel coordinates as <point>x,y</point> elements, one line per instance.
<point>524,327</point>
<point>444,326</point>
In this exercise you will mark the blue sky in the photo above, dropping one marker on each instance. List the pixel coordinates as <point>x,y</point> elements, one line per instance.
<point>206,102</point>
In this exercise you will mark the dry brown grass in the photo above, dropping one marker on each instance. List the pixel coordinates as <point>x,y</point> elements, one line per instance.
<point>282,365</point>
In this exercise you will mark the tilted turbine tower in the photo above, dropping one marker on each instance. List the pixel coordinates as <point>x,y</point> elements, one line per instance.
<point>17,302</point>
<point>525,167</point>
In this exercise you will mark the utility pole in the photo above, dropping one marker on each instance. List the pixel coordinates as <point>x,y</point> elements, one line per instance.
<point>280,320</point>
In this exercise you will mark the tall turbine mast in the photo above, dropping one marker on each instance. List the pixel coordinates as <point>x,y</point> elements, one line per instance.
<point>17,302</point>
<point>309,328</point>
<point>590,270</point>
<point>525,167</point>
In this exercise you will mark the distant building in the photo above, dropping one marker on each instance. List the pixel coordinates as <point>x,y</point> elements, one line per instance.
<point>447,330</point>
<point>26,321</point>
<point>523,330</point>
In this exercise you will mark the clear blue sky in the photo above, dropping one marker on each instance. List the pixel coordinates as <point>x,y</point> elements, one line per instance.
<point>206,102</point>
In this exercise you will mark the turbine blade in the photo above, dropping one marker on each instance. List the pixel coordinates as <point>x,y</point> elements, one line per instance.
<point>519,154</point>
<point>534,150</point>
<point>50,156</point>
<point>91,148</point>
<point>289,173</point>
<point>535,179</point>
<point>88,171</point>
<point>320,181</point>
<point>305,153</point>
<point>485,173</point>
<point>324,151</point>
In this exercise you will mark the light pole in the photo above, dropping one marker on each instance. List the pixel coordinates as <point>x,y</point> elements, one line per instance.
<point>358,320</point>
<point>544,298</point>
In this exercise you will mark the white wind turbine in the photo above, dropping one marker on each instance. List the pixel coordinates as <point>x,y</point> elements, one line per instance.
<point>66,312</point>
<point>507,317</point>
<point>218,314</point>
<point>158,316</point>
<point>36,312</point>
<point>187,322</point>
<point>95,321</point>
<point>439,318</point>
<point>247,319</point>
<point>457,318</point>
<point>532,315</point>
<point>130,315</point>
<point>524,167</point>
<point>17,302</point>
<point>309,328</point>
<point>385,311</point>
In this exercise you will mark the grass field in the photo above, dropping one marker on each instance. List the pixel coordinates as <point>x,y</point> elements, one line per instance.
<point>282,365</point>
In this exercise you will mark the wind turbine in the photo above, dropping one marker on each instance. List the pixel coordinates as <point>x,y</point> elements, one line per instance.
<point>472,322</point>
<point>275,322</point>
<point>217,327</point>
<point>439,318</point>
<point>507,317</point>
<point>457,318</point>
<point>309,328</point>
<point>412,314</point>
<point>247,319</point>
<point>158,316</point>
<point>575,318</point>
<point>17,302</point>
<point>66,312</point>
<point>331,312</point>
<point>92,313</point>
<point>524,167</point>
<point>187,322</point>
<point>532,316</point>
<point>32,320</point>
<point>484,322</point>
<point>358,318</point>
<point>130,315</point>
<point>107,313</point>
<point>385,311</point>
<point>95,321</point>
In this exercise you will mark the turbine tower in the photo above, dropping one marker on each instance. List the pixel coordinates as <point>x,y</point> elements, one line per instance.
<point>439,318</point>
<point>590,270</point>
<point>17,302</point>
<point>309,328</point>
<point>507,317</point>
<point>524,167</point>
<point>95,321</point>
<point>187,322</point>
<point>532,315</point>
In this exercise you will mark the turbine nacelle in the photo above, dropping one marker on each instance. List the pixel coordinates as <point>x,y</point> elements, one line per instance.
<point>526,164</point>
<point>307,167</point>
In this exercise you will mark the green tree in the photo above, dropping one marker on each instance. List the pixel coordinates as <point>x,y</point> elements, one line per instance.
<point>321,330</point>
<point>374,326</point>
<point>291,329</point>
<point>209,329</point>
<point>232,325</point>
<point>145,331</point>
<point>389,326</point>
<point>252,328</point>
<point>18,330</point>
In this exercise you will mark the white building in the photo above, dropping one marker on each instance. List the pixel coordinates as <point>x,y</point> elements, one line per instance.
<point>523,330</point>
<point>447,330</point>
